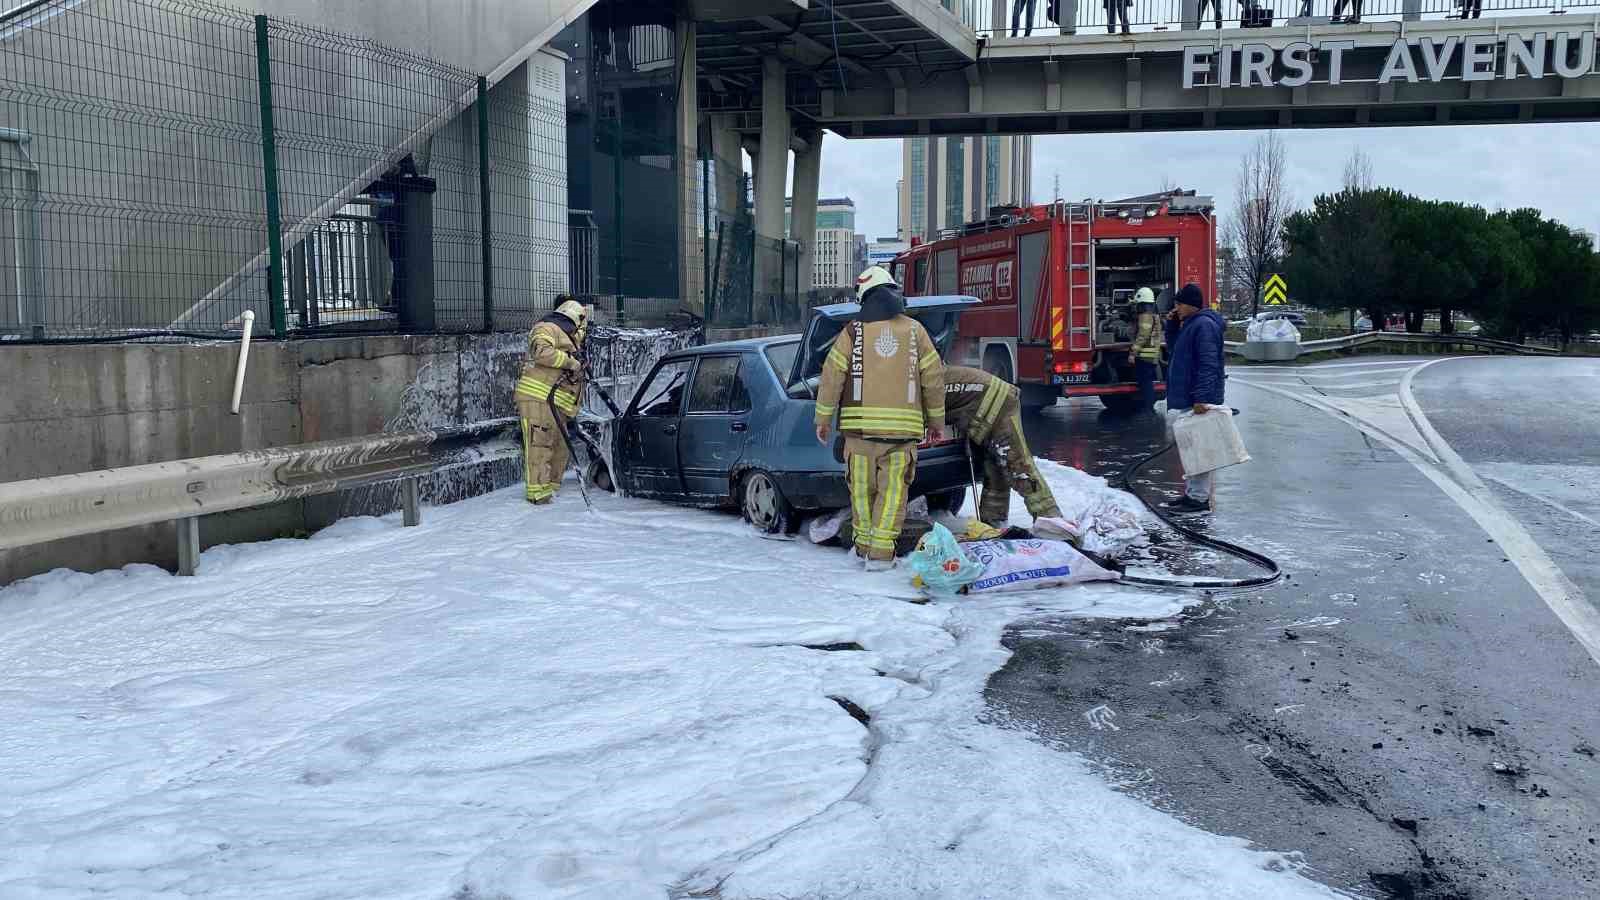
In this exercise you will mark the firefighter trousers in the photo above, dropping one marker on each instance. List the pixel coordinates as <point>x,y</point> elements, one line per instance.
<point>1008,466</point>
<point>880,477</point>
<point>544,451</point>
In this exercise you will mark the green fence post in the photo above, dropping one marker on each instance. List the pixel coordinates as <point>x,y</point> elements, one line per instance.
<point>483,203</point>
<point>269,167</point>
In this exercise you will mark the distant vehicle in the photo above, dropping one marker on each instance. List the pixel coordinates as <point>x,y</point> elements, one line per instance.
<point>1364,324</point>
<point>730,425</point>
<point>1296,319</point>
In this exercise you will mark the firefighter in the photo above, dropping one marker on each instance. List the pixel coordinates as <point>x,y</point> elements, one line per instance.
<point>884,378</point>
<point>551,369</point>
<point>987,412</point>
<point>1145,354</point>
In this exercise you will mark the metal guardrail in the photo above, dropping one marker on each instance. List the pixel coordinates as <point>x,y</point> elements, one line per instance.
<point>1352,341</point>
<point>65,506</point>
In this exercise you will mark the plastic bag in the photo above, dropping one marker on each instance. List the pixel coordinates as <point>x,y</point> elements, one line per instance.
<point>978,531</point>
<point>827,527</point>
<point>1208,441</point>
<point>939,564</point>
<point>1025,565</point>
<point>1272,330</point>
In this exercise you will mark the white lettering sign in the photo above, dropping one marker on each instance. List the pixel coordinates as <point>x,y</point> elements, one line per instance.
<point>1475,57</point>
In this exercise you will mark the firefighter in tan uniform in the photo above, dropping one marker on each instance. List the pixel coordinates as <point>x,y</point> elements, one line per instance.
<point>988,413</point>
<point>884,378</point>
<point>551,376</point>
<point>1145,353</point>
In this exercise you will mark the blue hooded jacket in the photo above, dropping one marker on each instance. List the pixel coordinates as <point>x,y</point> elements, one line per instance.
<point>1195,374</point>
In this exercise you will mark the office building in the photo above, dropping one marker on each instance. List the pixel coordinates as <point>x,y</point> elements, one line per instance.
<point>834,257</point>
<point>951,181</point>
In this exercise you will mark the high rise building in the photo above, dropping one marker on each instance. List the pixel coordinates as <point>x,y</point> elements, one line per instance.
<point>834,256</point>
<point>951,181</point>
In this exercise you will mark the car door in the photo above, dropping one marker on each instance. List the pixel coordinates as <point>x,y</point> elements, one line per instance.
<point>648,441</point>
<point>716,423</point>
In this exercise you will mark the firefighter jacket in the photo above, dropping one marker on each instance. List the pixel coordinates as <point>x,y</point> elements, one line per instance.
<point>551,365</point>
<point>974,400</point>
<point>885,379</point>
<point>1147,345</point>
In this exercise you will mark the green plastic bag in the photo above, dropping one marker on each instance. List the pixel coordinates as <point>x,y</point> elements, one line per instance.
<point>939,565</point>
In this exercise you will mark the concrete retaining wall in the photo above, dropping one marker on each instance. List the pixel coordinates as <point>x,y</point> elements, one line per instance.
<point>76,408</point>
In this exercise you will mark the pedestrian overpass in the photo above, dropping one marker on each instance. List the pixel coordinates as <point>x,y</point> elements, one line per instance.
<point>929,73</point>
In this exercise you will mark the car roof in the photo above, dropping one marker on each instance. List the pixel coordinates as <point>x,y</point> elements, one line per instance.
<point>739,346</point>
<point>849,309</point>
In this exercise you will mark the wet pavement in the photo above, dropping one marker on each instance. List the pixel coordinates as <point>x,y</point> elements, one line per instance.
<point>1402,708</point>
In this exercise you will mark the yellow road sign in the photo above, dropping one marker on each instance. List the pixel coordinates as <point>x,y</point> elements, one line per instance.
<point>1275,291</point>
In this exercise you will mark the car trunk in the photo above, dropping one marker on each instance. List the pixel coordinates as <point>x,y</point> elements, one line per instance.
<point>938,314</point>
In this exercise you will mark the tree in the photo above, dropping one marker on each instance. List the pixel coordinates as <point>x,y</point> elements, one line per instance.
<point>1559,280</point>
<point>1339,253</point>
<point>1358,171</point>
<point>1261,204</point>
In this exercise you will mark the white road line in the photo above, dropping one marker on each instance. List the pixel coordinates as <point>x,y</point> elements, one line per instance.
<point>1356,385</point>
<point>1340,365</point>
<point>1545,500</point>
<point>1396,371</point>
<point>1462,485</point>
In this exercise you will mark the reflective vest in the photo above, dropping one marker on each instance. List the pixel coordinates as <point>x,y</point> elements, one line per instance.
<point>885,379</point>
<point>1147,345</point>
<point>550,353</point>
<point>974,400</point>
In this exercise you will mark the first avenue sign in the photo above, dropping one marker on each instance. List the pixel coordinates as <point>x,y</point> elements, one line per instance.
<point>1473,57</point>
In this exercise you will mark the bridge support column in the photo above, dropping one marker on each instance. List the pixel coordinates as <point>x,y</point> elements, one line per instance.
<point>691,263</point>
<point>803,214</point>
<point>772,169</point>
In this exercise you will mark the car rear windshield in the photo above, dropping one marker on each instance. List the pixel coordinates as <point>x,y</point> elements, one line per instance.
<point>781,356</point>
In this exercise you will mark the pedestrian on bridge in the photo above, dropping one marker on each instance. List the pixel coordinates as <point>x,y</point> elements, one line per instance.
<point>1119,9</point>
<point>1216,5</point>
<point>548,394</point>
<point>1194,379</point>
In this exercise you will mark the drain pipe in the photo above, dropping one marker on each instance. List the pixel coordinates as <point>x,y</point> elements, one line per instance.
<point>244,353</point>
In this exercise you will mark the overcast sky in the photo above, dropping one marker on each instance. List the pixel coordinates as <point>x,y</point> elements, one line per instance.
<point>1551,167</point>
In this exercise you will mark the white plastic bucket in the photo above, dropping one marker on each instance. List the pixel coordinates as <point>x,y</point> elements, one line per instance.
<point>1208,441</point>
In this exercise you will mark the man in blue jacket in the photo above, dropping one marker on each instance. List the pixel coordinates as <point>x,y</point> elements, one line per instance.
<point>1194,377</point>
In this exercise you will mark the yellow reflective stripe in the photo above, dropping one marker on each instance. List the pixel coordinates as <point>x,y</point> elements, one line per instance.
<point>936,414</point>
<point>884,412</point>
<point>836,358</point>
<point>824,412</point>
<point>566,400</point>
<point>893,497</point>
<point>541,491</point>
<point>860,499</point>
<point>993,400</point>
<point>928,359</point>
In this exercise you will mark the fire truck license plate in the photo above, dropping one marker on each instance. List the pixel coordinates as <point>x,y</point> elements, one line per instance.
<point>1070,379</point>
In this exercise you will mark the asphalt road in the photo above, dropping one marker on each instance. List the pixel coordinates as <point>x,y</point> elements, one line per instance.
<point>1403,709</point>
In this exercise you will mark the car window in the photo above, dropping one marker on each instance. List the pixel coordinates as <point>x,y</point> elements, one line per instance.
<point>714,385</point>
<point>663,395</point>
<point>781,356</point>
<point>921,286</point>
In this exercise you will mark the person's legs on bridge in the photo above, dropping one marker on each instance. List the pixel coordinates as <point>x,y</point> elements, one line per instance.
<point>1018,9</point>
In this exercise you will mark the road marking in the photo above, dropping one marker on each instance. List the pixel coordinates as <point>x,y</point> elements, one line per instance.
<point>1338,365</point>
<point>1453,476</point>
<point>1304,372</point>
<point>1545,500</point>
<point>1100,718</point>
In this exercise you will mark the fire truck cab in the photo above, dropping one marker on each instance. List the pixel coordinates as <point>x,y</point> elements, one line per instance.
<point>1056,284</point>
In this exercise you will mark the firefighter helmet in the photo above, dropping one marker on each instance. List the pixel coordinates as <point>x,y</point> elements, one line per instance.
<point>873,277</point>
<point>575,311</point>
<point>1144,295</point>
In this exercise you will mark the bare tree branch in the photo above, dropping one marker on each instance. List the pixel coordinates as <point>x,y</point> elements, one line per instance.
<point>1358,171</point>
<point>1261,203</point>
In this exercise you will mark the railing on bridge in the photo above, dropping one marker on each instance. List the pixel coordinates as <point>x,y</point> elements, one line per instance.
<point>1023,18</point>
<point>1392,338</point>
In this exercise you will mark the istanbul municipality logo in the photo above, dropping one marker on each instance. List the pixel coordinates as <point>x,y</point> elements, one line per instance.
<point>1473,57</point>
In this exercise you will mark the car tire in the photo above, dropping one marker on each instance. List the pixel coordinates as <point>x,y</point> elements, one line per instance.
<point>600,476</point>
<point>947,501</point>
<point>762,504</point>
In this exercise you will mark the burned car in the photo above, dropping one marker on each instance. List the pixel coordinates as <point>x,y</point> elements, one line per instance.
<point>730,425</point>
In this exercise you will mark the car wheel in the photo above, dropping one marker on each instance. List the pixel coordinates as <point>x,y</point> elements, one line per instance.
<point>948,501</point>
<point>600,476</point>
<point>763,505</point>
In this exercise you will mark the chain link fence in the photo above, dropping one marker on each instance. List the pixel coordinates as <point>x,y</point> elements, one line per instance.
<point>231,162</point>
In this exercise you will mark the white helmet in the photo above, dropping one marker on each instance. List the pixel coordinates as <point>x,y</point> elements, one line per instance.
<point>1144,295</point>
<point>871,278</point>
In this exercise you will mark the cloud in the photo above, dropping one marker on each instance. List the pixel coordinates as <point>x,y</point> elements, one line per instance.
<point>1546,166</point>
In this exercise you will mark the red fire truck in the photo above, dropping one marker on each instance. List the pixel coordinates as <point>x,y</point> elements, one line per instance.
<point>1056,283</point>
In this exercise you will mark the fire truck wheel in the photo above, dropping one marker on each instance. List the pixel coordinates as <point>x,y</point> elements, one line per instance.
<point>1121,404</point>
<point>998,363</point>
